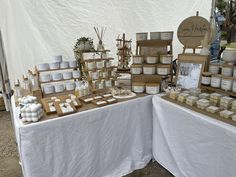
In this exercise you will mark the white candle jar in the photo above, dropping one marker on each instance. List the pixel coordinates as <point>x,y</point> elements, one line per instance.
<point>149,69</point>
<point>100,64</point>
<point>91,65</point>
<point>136,69</point>
<point>104,74</point>
<point>163,69</point>
<point>138,87</point>
<point>214,68</point>
<point>166,59</point>
<point>95,75</point>
<point>227,70</point>
<point>152,88</point>
<point>227,83</point>
<point>216,80</point>
<point>137,59</point>
<point>151,59</point>
<point>108,83</point>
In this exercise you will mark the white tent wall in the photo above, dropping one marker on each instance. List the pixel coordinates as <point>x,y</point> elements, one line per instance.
<point>34,31</point>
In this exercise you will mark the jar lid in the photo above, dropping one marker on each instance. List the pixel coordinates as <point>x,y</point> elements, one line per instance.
<point>227,66</point>
<point>152,84</point>
<point>151,56</point>
<point>166,55</point>
<point>163,66</point>
<point>136,66</point>
<point>216,75</point>
<point>150,66</point>
<point>138,83</point>
<point>206,73</point>
<point>228,78</point>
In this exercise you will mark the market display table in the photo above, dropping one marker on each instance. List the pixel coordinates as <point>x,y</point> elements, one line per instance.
<point>108,141</point>
<point>190,144</point>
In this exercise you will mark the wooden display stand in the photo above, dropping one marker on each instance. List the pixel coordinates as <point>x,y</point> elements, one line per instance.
<point>79,55</point>
<point>62,80</point>
<point>155,78</point>
<point>124,54</point>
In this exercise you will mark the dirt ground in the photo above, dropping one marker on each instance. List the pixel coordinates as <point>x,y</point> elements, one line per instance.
<point>9,161</point>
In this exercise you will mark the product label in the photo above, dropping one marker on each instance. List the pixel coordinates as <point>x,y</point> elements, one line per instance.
<point>162,71</point>
<point>227,71</point>
<point>206,80</point>
<point>152,90</point>
<point>215,82</point>
<point>136,70</point>
<point>137,60</point>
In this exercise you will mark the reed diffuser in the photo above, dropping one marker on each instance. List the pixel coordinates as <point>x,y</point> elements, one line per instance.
<point>100,35</point>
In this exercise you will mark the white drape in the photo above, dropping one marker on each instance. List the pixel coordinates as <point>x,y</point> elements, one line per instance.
<point>33,31</point>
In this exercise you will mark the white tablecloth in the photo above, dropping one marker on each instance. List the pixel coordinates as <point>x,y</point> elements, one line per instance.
<point>110,141</point>
<point>190,144</point>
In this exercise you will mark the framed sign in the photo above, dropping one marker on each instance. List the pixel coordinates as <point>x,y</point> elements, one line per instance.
<point>189,70</point>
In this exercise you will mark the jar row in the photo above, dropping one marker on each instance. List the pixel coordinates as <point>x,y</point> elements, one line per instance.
<point>150,69</point>
<point>57,65</point>
<point>163,59</point>
<point>91,64</point>
<point>57,88</point>
<point>225,69</point>
<point>99,74</point>
<point>149,88</point>
<point>104,83</point>
<point>219,81</point>
<point>59,76</point>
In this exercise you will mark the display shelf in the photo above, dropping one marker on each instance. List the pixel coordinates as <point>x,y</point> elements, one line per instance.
<point>211,89</point>
<point>146,78</point>
<point>97,59</point>
<point>60,69</point>
<point>62,80</point>
<point>153,43</point>
<point>93,51</point>
<point>95,69</point>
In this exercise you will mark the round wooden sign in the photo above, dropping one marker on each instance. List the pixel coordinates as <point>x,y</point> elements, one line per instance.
<point>193,30</point>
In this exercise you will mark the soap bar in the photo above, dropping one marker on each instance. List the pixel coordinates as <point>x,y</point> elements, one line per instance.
<point>226,114</point>
<point>213,109</point>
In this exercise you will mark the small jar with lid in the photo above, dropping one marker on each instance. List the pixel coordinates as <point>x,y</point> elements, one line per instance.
<point>138,59</point>
<point>138,87</point>
<point>100,64</point>
<point>163,70</point>
<point>166,59</point>
<point>151,59</point>
<point>136,69</point>
<point>108,83</point>
<point>149,69</point>
<point>152,88</point>
<point>216,80</point>
<point>226,83</point>
<point>206,78</point>
<point>214,68</point>
<point>91,65</point>
<point>227,70</point>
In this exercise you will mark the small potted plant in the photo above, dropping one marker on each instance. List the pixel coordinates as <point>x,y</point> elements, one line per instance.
<point>84,44</point>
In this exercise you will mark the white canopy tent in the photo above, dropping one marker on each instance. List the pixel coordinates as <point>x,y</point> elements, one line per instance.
<point>34,31</point>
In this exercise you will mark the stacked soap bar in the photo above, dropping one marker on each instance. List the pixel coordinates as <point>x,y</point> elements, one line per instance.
<point>191,100</point>
<point>203,103</point>
<point>225,102</point>
<point>182,97</point>
<point>226,114</point>
<point>213,109</point>
<point>215,98</point>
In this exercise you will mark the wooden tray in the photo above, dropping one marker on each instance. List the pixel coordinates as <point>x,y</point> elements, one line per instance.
<point>59,111</point>
<point>45,103</point>
<point>194,108</point>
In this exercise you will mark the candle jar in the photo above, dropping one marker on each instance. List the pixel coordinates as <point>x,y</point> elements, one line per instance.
<point>227,70</point>
<point>227,83</point>
<point>206,78</point>
<point>214,68</point>
<point>216,81</point>
<point>138,87</point>
<point>163,69</point>
<point>136,69</point>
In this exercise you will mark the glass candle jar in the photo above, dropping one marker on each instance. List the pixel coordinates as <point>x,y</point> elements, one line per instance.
<point>206,78</point>
<point>216,81</point>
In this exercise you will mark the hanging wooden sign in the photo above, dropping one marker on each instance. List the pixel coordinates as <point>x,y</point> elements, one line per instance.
<point>192,31</point>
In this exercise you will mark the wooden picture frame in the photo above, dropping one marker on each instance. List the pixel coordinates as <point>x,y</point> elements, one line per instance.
<point>189,70</point>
